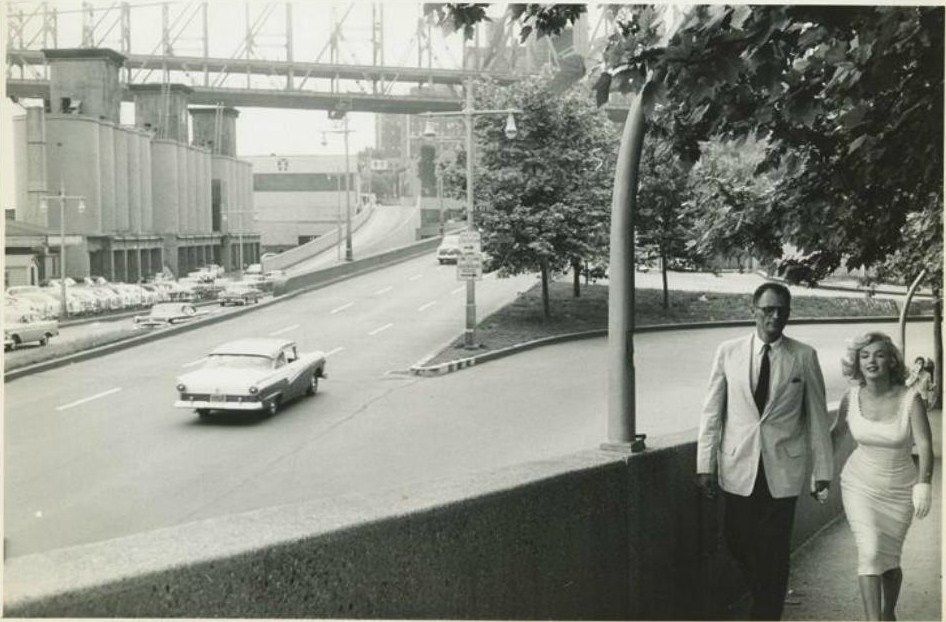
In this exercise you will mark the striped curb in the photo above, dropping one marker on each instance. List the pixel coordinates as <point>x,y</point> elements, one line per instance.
<point>419,369</point>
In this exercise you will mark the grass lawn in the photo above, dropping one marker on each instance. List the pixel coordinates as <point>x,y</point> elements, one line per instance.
<point>522,319</point>
<point>29,354</point>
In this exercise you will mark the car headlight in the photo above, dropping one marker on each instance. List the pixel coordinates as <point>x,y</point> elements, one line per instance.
<point>254,390</point>
<point>181,387</point>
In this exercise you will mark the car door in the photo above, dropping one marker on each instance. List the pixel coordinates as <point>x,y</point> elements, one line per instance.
<point>295,371</point>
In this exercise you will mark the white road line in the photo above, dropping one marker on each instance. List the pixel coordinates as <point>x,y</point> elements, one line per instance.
<point>458,290</point>
<point>378,330</point>
<point>384,290</point>
<point>341,308</point>
<point>415,277</point>
<point>197,362</point>
<point>283,330</point>
<point>427,306</point>
<point>88,399</point>
<point>335,351</point>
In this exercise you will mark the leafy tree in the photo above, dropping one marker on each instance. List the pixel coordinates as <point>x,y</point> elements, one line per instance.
<point>850,98</point>
<point>664,225</point>
<point>542,200</point>
<point>731,205</point>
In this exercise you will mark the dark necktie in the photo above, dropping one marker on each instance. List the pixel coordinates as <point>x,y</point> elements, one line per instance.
<point>761,394</point>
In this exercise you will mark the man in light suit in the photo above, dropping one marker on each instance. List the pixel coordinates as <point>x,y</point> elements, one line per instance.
<point>764,416</point>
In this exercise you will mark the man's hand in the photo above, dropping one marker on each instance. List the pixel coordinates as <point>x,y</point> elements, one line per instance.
<point>707,483</point>
<point>820,493</point>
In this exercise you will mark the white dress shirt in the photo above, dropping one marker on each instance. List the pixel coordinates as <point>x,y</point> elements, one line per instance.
<point>778,360</point>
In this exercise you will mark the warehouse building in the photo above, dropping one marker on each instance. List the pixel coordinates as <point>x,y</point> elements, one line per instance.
<point>298,198</point>
<point>138,198</point>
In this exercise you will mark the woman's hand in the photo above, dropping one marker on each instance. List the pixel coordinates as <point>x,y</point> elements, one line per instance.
<point>922,499</point>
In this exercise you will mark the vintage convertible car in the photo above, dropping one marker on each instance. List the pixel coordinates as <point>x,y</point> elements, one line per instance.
<point>251,375</point>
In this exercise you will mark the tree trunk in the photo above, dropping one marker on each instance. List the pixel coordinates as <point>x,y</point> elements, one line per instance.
<point>546,308</point>
<point>663,276</point>
<point>938,346</point>
<point>576,280</point>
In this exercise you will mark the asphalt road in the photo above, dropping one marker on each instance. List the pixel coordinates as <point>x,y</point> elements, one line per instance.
<point>96,449</point>
<point>390,226</point>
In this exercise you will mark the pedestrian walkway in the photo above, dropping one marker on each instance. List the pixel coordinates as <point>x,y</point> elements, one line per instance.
<point>823,583</point>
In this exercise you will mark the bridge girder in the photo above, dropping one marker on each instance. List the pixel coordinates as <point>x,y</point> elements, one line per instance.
<point>259,67</point>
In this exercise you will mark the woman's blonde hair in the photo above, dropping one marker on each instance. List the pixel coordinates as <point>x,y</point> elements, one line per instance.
<point>850,365</point>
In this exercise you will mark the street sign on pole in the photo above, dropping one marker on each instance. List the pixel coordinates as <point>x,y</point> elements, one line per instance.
<point>470,261</point>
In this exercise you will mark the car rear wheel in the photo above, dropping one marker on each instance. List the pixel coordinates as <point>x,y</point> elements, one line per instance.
<point>16,342</point>
<point>44,340</point>
<point>313,384</point>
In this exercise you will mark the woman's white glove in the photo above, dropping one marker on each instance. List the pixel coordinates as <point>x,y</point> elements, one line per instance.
<point>922,499</point>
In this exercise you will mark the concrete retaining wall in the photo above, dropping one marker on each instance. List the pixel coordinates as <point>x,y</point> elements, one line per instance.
<point>308,250</point>
<point>318,277</point>
<point>593,535</point>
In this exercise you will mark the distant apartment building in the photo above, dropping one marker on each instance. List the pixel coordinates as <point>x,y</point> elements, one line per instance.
<point>298,198</point>
<point>146,197</point>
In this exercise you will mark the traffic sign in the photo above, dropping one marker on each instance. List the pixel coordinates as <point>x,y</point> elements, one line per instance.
<point>469,267</point>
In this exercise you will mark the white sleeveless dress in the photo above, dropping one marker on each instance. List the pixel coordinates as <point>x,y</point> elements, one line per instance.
<point>877,485</point>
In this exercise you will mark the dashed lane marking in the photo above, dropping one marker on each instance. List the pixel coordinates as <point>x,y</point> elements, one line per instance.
<point>384,290</point>
<point>341,308</point>
<point>88,399</point>
<point>458,290</point>
<point>335,351</point>
<point>415,277</point>
<point>381,328</point>
<point>424,307</point>
<point>283,330</point>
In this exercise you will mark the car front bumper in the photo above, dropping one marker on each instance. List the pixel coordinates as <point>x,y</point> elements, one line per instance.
<point>228,405</point>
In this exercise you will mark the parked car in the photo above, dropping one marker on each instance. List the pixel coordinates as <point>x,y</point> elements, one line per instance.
<point>237,293</point>
<point>20,328</point>
<point>449,249</point>
<point>166,313</point>
<point>256,375</point>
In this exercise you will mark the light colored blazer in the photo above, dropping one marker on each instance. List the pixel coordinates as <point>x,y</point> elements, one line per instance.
<point>793,427</point>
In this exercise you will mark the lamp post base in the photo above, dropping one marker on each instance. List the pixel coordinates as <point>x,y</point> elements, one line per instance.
<point>635,447</point>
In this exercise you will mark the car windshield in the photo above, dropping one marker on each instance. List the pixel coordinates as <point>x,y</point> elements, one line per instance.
<point>238,361</point>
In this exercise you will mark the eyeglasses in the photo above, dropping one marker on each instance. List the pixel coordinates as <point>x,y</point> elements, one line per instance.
<point>769,311</point>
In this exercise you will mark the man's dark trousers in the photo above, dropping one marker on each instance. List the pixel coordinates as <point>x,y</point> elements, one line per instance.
<point>758,531</point>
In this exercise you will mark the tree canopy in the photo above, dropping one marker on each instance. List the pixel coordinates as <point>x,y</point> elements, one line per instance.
<point>850,99</point>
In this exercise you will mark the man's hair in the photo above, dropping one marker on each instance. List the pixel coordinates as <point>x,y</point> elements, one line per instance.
<point>850,362</point>
<point>778,288</point>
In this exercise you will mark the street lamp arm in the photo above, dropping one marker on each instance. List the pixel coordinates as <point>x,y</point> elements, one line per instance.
<point>465,112</point>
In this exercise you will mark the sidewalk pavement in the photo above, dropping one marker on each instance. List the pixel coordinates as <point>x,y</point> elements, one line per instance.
<point>823,583</point>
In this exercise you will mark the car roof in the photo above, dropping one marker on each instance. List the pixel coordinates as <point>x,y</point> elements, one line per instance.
<point>260,346</point>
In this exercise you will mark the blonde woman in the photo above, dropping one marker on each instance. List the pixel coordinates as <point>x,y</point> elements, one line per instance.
<point>881,489</point>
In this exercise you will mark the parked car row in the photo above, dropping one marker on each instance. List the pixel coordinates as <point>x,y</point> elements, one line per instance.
<point>95,295</point>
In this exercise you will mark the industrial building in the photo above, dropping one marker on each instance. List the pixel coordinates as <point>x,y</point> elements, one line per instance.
<point>138,199</point>
<point>301,197</point>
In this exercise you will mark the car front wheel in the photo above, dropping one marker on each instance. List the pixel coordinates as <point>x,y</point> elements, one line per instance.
<point>44,340</point>
<point>272,407</point>
<point>203,413</point>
